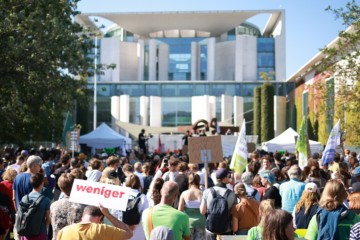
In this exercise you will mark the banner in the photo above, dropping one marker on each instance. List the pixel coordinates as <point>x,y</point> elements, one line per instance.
<point>68,126</point>
<point>93,193</point>
<point>333,141</point>
<point>239,157</point>
<point>301,144</point>
<point>203,149</point>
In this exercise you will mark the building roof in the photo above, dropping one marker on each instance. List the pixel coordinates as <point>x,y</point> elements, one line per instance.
<point>202,23</point>
<point>314,61</point>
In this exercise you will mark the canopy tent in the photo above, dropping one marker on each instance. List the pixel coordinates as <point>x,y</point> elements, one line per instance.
<point>134,129</point>
<point>104,137</point>
<point>286,142</point>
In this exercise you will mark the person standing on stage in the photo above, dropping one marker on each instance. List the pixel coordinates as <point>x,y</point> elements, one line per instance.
<point>142,141</point>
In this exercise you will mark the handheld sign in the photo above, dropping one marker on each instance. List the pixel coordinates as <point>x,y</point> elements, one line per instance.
<point>93,193</point>
<point>203,149</point>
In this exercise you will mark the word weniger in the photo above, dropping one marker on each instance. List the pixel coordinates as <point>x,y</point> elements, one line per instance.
<point>101,191</point>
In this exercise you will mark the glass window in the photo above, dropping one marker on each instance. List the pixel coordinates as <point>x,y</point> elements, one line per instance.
<point>265,45</point>
<point>176,111</point>
<point>134,110</point>
<point>185,90</point>
<point>152,90</point>
<point>201,89</point>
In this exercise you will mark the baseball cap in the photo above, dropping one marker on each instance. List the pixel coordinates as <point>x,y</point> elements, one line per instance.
<point>311,187</point>
<point>24,153</point>
<point>221,173</point>
<point>355,187</point>
<point>269,175</point>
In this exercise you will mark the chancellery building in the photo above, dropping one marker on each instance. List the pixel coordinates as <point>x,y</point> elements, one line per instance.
<point>173,68</point>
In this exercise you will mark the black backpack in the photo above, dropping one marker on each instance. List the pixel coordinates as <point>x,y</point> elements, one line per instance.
<point>28,218</point>
<point>218,215</point>
<point>132,215</point>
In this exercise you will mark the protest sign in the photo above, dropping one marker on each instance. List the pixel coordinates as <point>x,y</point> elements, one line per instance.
<point>93,193</point>
<point>208,148</point>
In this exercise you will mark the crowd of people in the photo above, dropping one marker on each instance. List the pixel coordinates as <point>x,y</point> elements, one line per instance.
<point>273,199</point>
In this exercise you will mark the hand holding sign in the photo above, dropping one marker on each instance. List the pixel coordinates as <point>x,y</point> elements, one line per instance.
<point>91,193</point>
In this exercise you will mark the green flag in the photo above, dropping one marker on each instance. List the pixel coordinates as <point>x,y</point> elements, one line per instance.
<point>68,126</point>
<point>301,144</point>
<point>239,157</point>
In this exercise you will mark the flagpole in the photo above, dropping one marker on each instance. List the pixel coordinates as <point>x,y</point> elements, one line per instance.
<point>95,84</point>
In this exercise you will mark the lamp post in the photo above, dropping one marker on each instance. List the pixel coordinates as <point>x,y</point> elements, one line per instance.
<point>95,85</point>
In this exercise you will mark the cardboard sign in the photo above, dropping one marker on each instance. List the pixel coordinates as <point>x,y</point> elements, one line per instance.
<point>205,149</point>
<point>93,193</point>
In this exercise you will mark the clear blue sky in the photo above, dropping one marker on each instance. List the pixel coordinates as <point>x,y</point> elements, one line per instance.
<point>308,26</point>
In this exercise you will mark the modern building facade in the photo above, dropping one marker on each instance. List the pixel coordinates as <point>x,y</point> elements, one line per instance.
<point>174,68</point>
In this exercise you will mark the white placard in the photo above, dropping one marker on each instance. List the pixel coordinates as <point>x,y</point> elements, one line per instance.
<point>93,193</point>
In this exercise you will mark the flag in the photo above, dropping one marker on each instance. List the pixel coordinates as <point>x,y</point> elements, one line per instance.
<point>333,141</point>
<point>239,157</point>
<point>68,126</point>
<point>301,144</point>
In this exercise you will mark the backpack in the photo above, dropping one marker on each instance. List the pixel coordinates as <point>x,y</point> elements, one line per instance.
<point>218,215</point>
<point>253,195</point>
<point>132,215</point>
<point>28,218</point>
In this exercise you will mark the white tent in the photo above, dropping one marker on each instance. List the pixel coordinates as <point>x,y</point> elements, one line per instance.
<point>103,137</point>
<point>286,142</point>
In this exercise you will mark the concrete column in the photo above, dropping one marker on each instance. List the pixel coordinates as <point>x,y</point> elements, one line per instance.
<point>212,108</point>
<point>196,108</point>
<point>239,49</point>
<point>141,55</point>
<point>124,108</point>
<point>211,59</point>
<point>155,111</point>
<point>115,112</point>
<point>163,62</point>
<point>238,110</point>
<point>144,110</point>
<point>195,61</point>
<point>226,109</point>
<point>279,114</point>
<point>152,60</point>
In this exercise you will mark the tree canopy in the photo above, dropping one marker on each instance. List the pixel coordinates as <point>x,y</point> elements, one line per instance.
<point>43,50</point>
<point>342,62</point>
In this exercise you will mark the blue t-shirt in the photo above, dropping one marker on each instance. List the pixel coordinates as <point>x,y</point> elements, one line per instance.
<point>22,186</point>
<point>43,206</point>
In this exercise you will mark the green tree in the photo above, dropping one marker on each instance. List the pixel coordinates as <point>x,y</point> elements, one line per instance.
<point>267,111</point>
<point>257,112</point>
<point>342,62</point>
<point>42,52</point>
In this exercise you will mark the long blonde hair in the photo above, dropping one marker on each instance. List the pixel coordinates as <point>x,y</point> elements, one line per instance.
<point>333,195</point>
<point>307,200</point>
<point>266,206</point>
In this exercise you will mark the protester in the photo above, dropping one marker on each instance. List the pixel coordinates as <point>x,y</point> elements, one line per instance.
<point>37,183</point>
<point>246,213</point>
<point>255,233</point>
<point>189,203</point>
<point>164,215</point>
<point>271,192</point>
<point>291,191</point>
<point>307,206</point>
<point>222,176</point>
<point>63,212</point>
<point>333,219</point>
<point>133,182</point>
<point>91,227</point>
<point>278,225</point>
<point>22,185</point>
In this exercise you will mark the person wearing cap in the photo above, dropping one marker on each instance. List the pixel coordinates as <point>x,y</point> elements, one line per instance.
<point>222,176</point>
<point>354,198</point>
<point>246,179</point>
<point>291,191</point>
<point>271,192</point>
<point>307,206</point>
